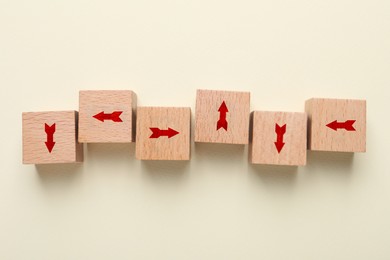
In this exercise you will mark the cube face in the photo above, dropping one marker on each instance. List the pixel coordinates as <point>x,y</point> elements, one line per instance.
<point>107,116</point>
<point>222,117</point>
<point>337,125</point>
<point>278,138</point>
<point>163,133</point>
<point>51,137</point>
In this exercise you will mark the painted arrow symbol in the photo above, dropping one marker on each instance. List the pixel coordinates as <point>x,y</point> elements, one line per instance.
<point>157,132</point>
<point>347,125</point>
<point>50,130</point>
<point>280,131</point>
<point>222,123</point>
<point>114,116</point>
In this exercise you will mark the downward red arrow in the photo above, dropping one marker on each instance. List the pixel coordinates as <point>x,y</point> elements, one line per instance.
<point>222,123</point>
<point>50,130</point>
<point>280,131</point>
<point>347,125</point>
<point>157,132</point>
<point>114,116</point>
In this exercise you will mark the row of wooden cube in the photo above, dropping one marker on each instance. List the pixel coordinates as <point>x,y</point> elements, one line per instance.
<point>163,133</point>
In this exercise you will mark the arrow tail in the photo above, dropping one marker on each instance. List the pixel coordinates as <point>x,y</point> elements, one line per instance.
<point>50,129</point>
<point>280,130</point>
<point>222,123</point>
<point>115,116</point>
<point>348,125</point>
<point>156,132</point>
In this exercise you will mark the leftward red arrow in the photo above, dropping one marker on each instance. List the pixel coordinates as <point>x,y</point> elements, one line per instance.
<point>50,130</point>
<point>114,116</point>
<point>280,131</point>
<point>157,132</point>
<point>222,123</point>
<point>347,125</point>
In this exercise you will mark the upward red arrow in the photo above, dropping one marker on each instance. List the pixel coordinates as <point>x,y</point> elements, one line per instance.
<point>280,131</point>
<point>222,123</point>
<point>157,132</point>
<point>347,125</point>
<point>114,116</point>
<point>50,130</point>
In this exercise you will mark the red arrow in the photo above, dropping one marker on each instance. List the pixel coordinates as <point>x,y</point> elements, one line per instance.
<point>114,116</point>
<point>157,132</point>
<point>222,123</point>
<point>347,125</point>
<point>50,130</point>
<point>280,131</point>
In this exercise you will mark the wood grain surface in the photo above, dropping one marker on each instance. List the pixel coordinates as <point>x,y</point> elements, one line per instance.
<point>207,115</point>
<point>322,112</point>
<point>93,102</point>
<point>263,149</point>
<point>176,147</point>
<point>66,148</point>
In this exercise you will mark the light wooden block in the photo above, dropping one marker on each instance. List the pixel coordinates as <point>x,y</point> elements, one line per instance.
<point>278,138</point>
<point>337,125</point>
<point>51,137</point>
<point>222,117</point>
<point>163,133</point>
<point>107,116</point>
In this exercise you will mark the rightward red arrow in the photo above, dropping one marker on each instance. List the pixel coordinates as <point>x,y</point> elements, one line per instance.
<point>114,116</point>
<point>222,123</point>
<point>157,132</point>
<point>347,125</point>
<point>50,130</point>
<point>280,131</point>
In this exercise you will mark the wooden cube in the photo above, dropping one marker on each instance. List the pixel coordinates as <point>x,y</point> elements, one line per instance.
<point>51,137</point>
<point>278,138</point>
<point>222,117</point>
<point>107,116</point>
<point>163,133</point>
<point>337,125</point>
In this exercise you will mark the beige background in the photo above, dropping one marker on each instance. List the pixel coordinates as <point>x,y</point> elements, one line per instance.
<point>216,206</point>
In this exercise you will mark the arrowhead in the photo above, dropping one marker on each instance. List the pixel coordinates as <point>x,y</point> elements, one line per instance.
<point>172,132</point>
<point>223,107</point>
<point>333,125</point>
<point>279,146</point>
<point>99,116</point>
<point>50,146</point>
